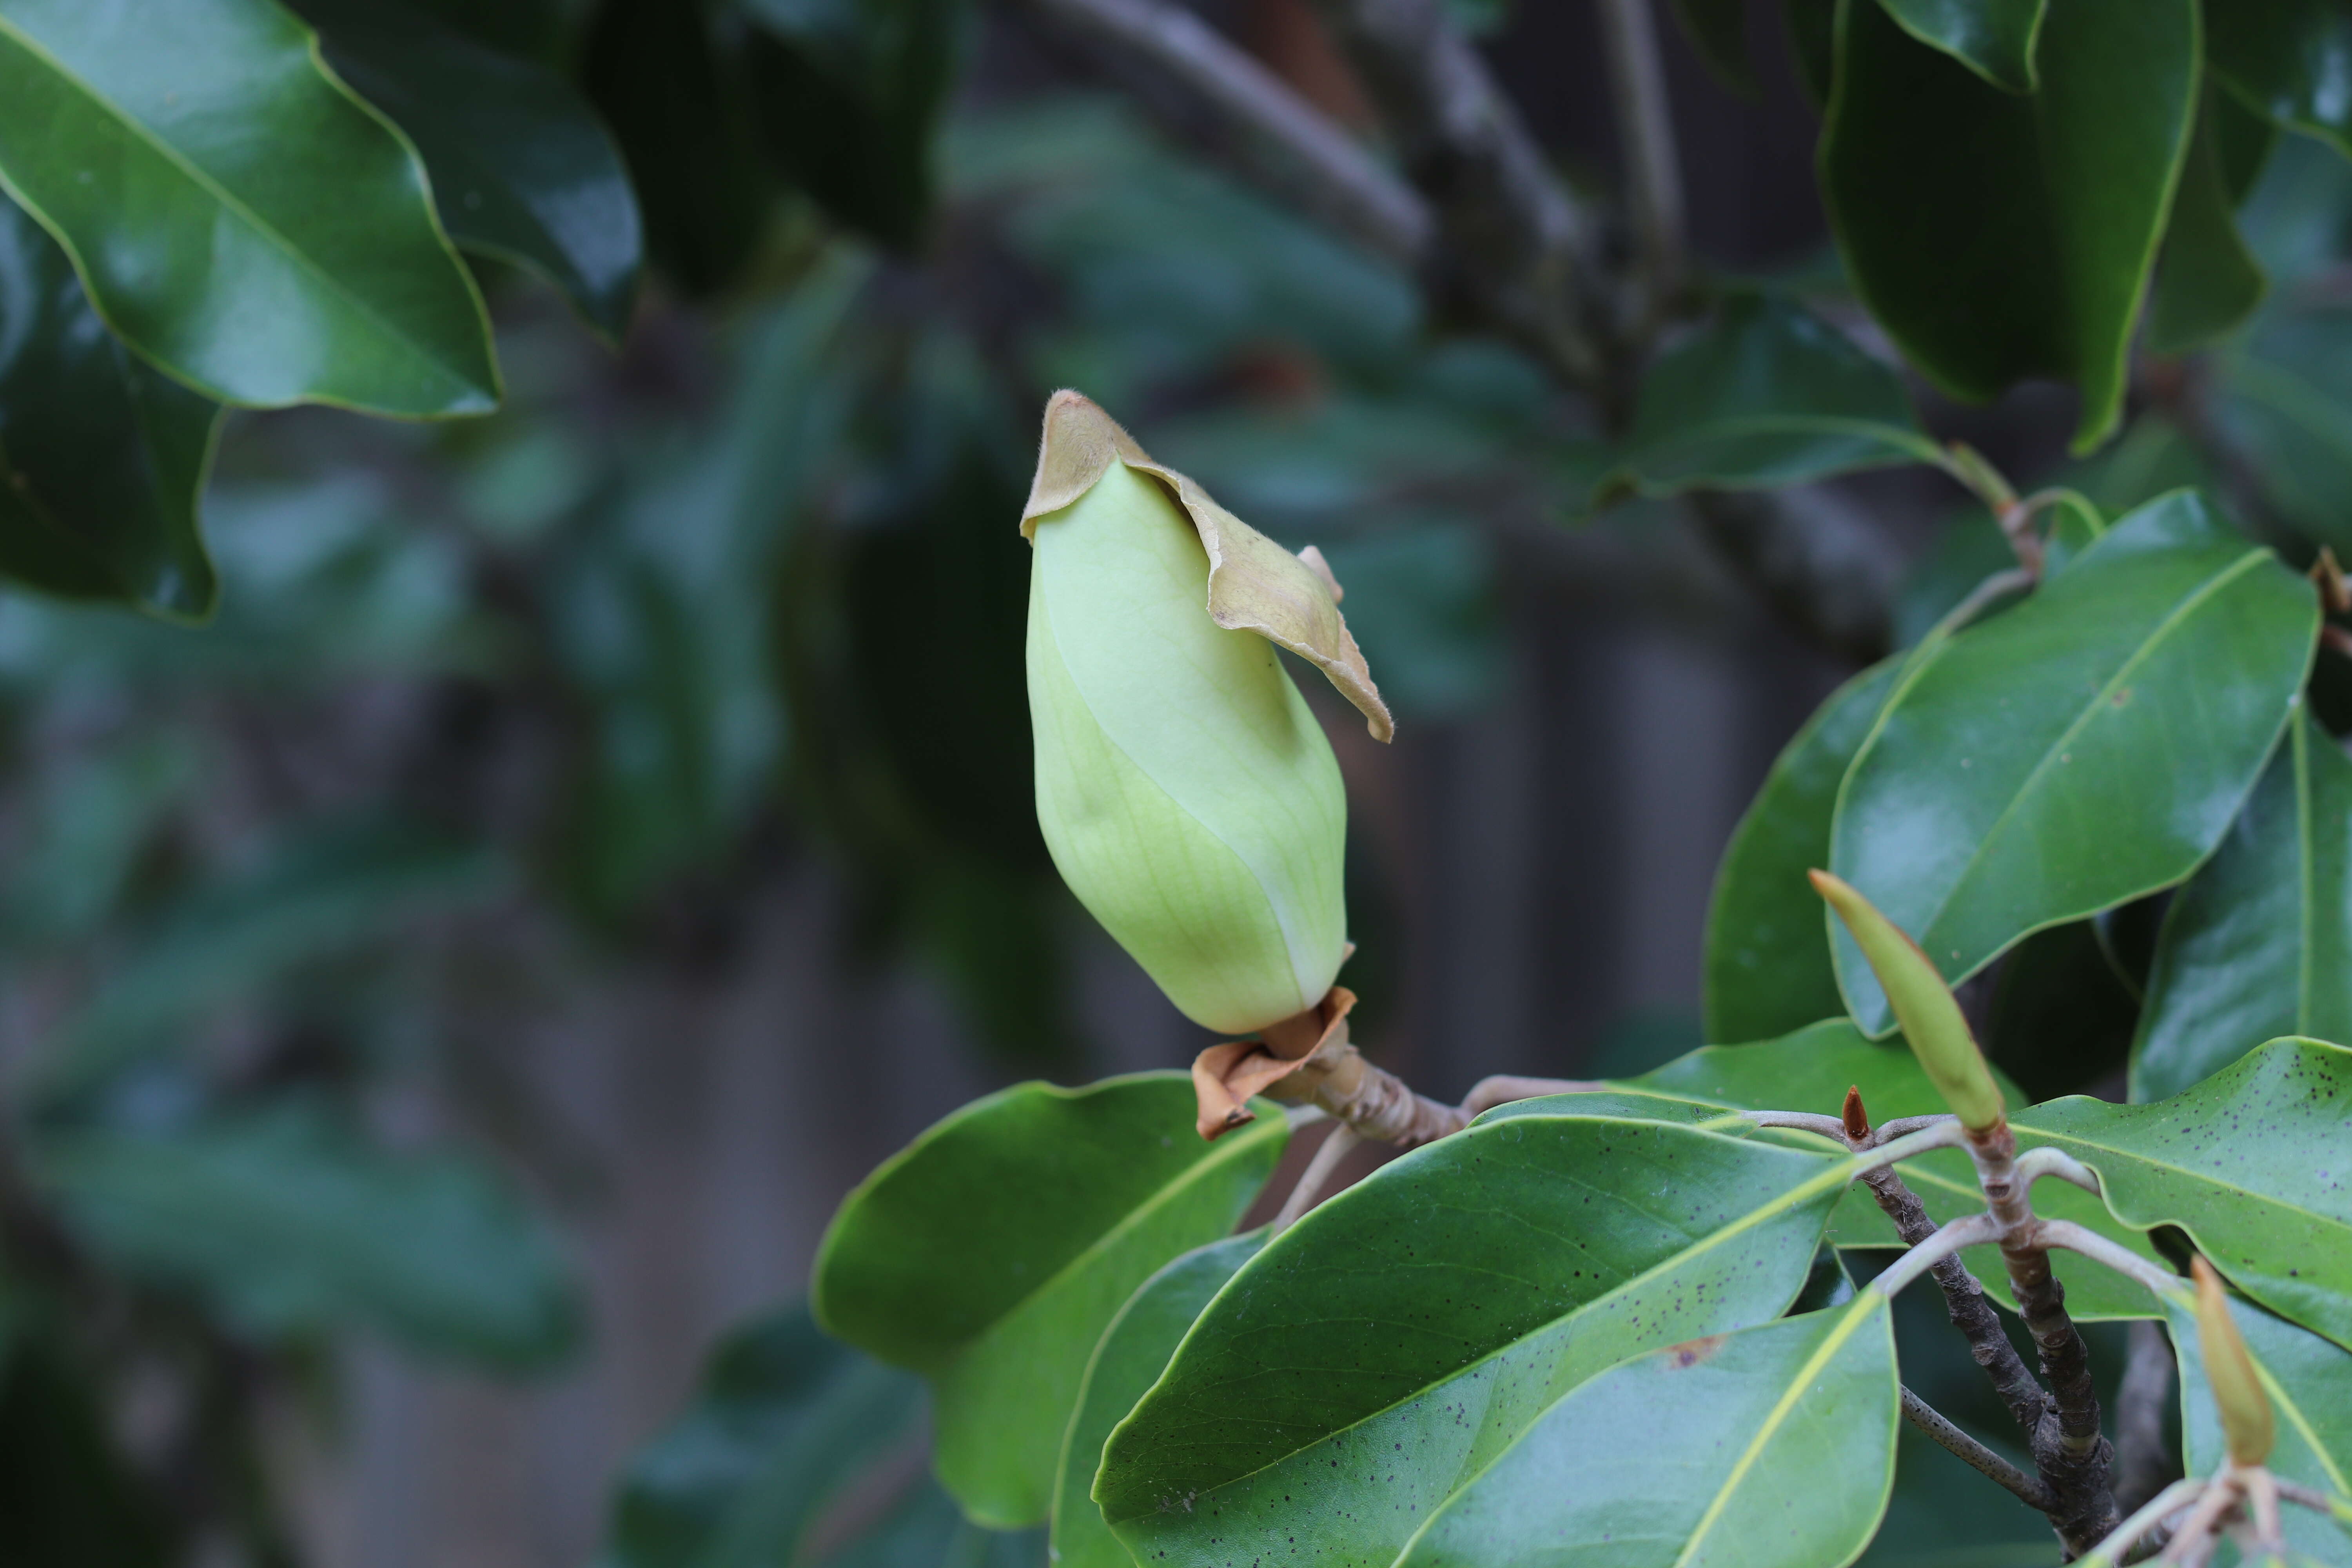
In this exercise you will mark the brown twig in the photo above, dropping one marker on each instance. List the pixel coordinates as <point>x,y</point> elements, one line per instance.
<point>1645,131</point>
<point>2032,1490</point>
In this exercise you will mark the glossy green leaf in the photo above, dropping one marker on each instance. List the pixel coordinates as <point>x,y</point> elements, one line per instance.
<point>1998,237</point>
<point>2207,281</point>
<point>2087,747</point>
<point>1767,394</point>
<point>2259,944</point>
<point>1771,1448</point>
<point>1134,1352</point>
<point>1767,966</point>
<point>1717,30</point>
<point>1387,1359</point>
<point>1994,38</point>
<point>2287,59</point>
<point>286,1220</point>
<point>2285,399</point>
<point>521,168</point>
<point>1811,1070</point>
<point>234,212</point>
<point>103,458</point>
<point>2250,1163</point>
<point>990,1253</point>
<point>848,94</point>
<point>2309,1382</point>
<point>783,1421</point>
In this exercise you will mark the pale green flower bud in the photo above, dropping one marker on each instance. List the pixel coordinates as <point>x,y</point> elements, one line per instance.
<point>2248,1424</point>
<point>1188,795</point>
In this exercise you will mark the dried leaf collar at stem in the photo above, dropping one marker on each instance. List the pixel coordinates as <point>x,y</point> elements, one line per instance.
<point>1226,1077</point>
<point>1254,584</point>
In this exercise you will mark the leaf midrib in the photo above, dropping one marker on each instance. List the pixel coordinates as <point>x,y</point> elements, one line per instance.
<point>1840,1174</point>
<point>204,181</point>
<point>2186,1172</point>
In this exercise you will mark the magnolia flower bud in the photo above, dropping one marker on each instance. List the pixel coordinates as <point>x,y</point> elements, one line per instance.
<point>1924,1005</point>
<point>2247,1422</point>
<point>1187,794</point>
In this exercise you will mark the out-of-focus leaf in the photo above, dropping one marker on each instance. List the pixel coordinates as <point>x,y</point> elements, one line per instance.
<point>1717,29</point>
<point>90,819</point>
<point>70,1494</point>
<point>1994,38</point>
<point>2287,59</point>
<point>990,1253</point>
<point>1767,967</point>
<point>1421,602</point>
<point>317,893</point>
<point>2259,944</point>
<point>2085,748</point>
<point>2062,1018</point>
<point>2309,1382</point>
<point>2207,281</point>
<point>103,458</point>
<point>667,76</point>
<point>521,168</point>
<point>1767,393</point>
<point>1772,1446</point>
<point>848,94</point>
<point>2286,397</point>
<point>1134,1352</point>
<point>783,1421</point>
<point>234,212</point>
<point>1999,236</point>
<point>2269,1207</point>
<point>1680,1233</point>
<point>287,1221</point>
<point>1811,26</point>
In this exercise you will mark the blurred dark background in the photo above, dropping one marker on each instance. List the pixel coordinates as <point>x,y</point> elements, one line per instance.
<point>629,790</point>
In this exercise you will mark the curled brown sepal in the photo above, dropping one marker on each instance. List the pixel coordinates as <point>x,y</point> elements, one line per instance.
<point>1855,1119</point>
<point>1254,584</point>
<point>1226,1077</point>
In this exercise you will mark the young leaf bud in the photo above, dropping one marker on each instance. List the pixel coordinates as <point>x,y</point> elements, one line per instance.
<point>2246,1420</point>
<point>1923,1005</point>
<point>1188,795</point>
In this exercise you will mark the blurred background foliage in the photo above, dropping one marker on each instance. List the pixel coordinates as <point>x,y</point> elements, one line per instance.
<point>493,707</point>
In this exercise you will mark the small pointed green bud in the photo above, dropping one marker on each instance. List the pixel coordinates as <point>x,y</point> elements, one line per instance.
<point>1924,1005</point>
<point>1188,795</point>
<point>2247,1422</point>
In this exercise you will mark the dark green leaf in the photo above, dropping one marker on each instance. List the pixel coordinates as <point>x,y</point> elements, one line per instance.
<point>1994,38</point>
<point>234,212</point>
<point>1998,237</point>
<point>2084,749</point>
<point>2259,944</point>
<point>2249,1163</point>
<point>2288,59</point>
<point>1717,29</point>
<point>848,94</point>
<point>1134,1352</point>
<point>1811,28</point>
<point>102,458</point>
<point>670,82</point>
<point>320,892</point>
<point>1810,1071</point>
<point>1768,967</point>
<point>1767,393</point>
<point>2309,1382</point>
<point>70,1496</point>
<point>990,1253</point>
<point>287,1221</point>
<point>1387,1359</point>
<point>784,1422</point>
<point>1772,1447</point>
<point>521,170</point>
<point>2207,281</point>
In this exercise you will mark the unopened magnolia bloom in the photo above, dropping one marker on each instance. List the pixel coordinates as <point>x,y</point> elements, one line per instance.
<point>1188,795</point>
